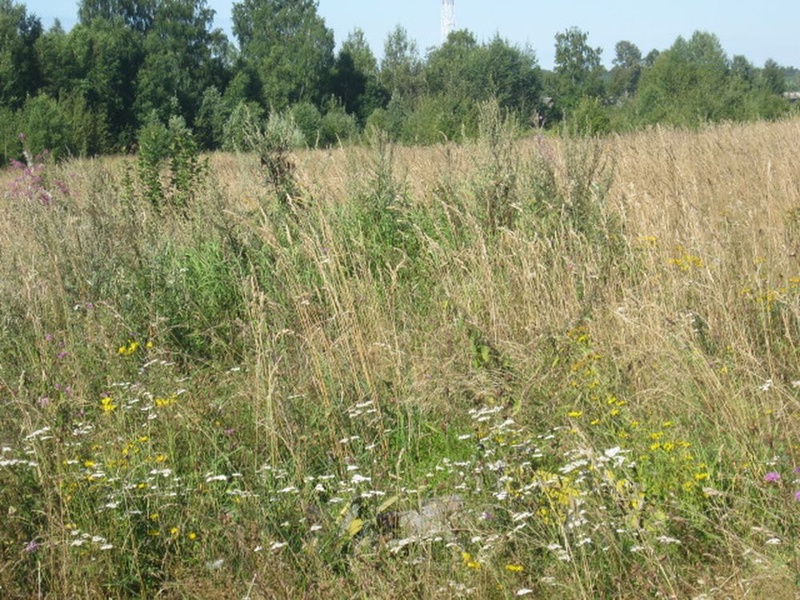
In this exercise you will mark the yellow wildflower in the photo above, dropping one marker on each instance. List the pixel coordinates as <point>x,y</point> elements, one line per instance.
<point>469,561</point>
<point>161,402</point>
<point>128,349</point>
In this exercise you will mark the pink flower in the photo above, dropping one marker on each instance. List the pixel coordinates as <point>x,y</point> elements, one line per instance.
<point>797,495</point>
<point>772,477</point>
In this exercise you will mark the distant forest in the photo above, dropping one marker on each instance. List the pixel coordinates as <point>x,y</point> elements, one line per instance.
<point>128,65</point>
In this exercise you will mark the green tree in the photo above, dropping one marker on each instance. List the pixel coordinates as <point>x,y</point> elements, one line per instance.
<point>60,68</point>
<point>626,71</point>
<point>454,82</point>
<point>10,143</point>
<point>44,125</point>
<point>308,119</point>
<point>354,80</point>
<point>743,69</point>
<point>348,83</point>
<point>511,75</point>
<point>336,126</point>
<point>693,82</point>
<point>773,77</point>
<point>245,86</point>
<point>87,128</point>
<point>183,56</point>
<point>357,47</point>
<point>19,68</point>
<point>462,74</point>
<point>137,15</point>
<point>401,67</point>
<point>791,77</point>
<point>97,62</point>
<point>651,57</point>
<point>450,67</point>
<point>687,84</point>
<point>578,70</point>
<point>289,47</point>
<point>209,126</point>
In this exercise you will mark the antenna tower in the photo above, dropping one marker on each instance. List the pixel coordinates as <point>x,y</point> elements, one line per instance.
<point>448,18</point>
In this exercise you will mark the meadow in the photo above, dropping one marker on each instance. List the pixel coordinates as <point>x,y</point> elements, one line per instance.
<point>540,366</point>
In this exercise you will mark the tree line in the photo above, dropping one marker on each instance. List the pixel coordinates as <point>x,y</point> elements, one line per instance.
<point>130,64</point>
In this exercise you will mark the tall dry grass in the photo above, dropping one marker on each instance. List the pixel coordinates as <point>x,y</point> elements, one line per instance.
<point>591,342</point>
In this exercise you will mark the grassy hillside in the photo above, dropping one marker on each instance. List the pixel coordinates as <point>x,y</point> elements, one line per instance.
<point>547,367</point>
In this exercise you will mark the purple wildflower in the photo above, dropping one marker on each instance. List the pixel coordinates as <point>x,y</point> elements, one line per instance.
<point>772,477</point>
<point>797,495</point>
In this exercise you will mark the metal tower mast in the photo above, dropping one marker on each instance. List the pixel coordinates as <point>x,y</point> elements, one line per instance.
<point>448,18</point>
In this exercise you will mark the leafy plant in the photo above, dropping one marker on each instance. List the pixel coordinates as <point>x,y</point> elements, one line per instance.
<point>169,148</point>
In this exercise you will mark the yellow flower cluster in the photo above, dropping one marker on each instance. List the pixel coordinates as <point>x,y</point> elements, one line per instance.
<point>107,405</point>
<point>132,346</point>
<point>162,402</point>
<point>128,349</point>
<point>686,262</point>
<point>469,561</point>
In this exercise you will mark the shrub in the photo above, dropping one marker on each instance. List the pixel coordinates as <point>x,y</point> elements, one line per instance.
<point>272,142</point>
<point>336,126</point>
<point>174,145</point>
<point>44,125</point>
<point>308,119</point>
<point>235,131</point>
<point>211,118</point>
<point>590,118</point>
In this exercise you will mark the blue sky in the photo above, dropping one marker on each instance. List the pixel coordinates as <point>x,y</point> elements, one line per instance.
<point>757,30</point>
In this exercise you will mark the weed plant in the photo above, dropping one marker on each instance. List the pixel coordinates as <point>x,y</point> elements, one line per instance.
<point>542,367</point>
